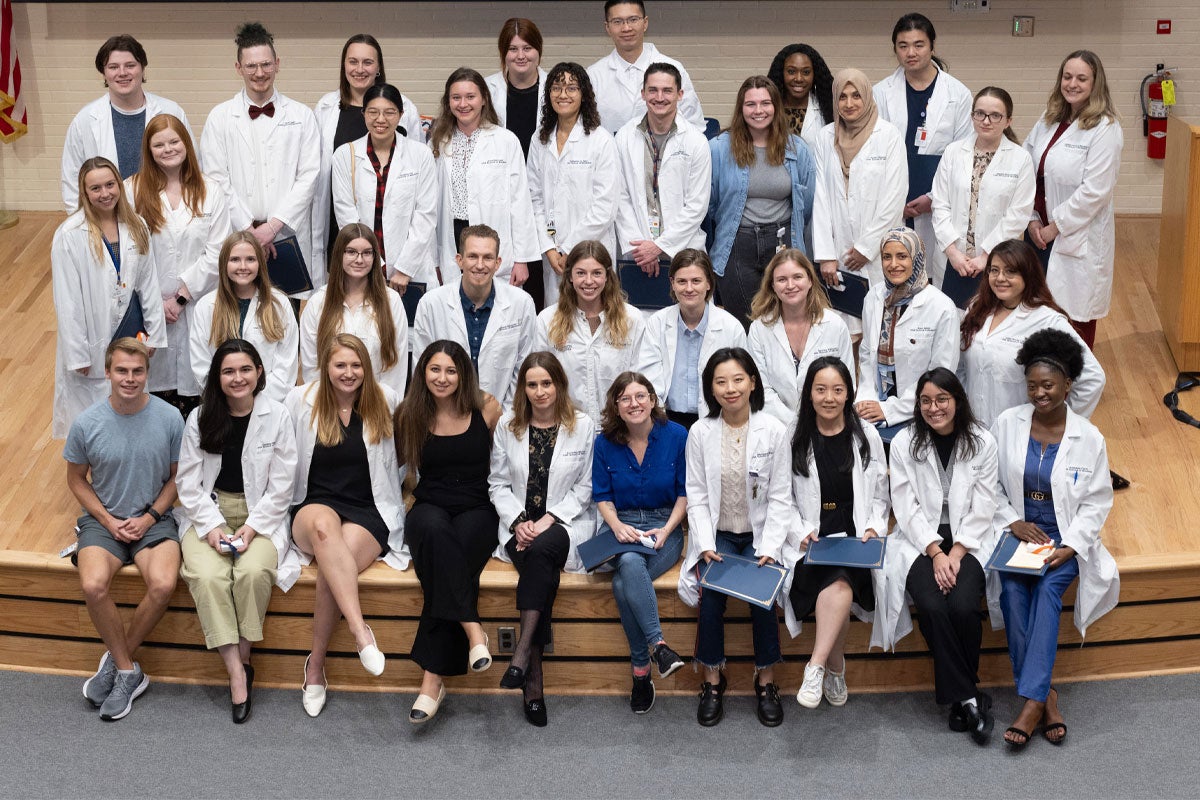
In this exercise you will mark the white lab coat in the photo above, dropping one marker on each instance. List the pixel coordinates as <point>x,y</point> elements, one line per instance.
<point>684,186</point>
<point>926,337</point>
<point>859,213</point>
<point>917,504</point>
<point>89,303</point>
<point>410,204</point>
<point>508,339</point>
<point>361,323</point>
<point>574,193</point>
<point>662,339</point>
<point>91,134</point>
<point>279,358</point>
<point>782,380</point>
<point>871,507</point>
<point>813,121</point>
<point>1082,492</point>
<point>291,162</point>
<point>568,488</point>
<point>186,251</point>
<point>768,495</point>
<point>995,381</point>
<point>618,87</point>
<point>947,119</point>
<point>498,89</point>
<point>1081,173</point>
<point>327,110</point>
<point>268,470</point>
<point>385,474</point>
<point>590,361</point>
<point>497,196</point>
<point>1005,196</point>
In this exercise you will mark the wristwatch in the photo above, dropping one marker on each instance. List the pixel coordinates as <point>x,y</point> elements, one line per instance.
<point>181,300</point>
<point>150,510</point>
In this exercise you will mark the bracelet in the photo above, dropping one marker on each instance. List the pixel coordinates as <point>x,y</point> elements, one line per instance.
<point>157,516</point>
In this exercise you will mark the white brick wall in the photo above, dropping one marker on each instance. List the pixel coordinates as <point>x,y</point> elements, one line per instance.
<point>191,55</point>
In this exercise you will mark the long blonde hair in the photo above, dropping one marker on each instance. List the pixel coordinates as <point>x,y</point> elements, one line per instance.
<point>226,321</point>
<point>612,299</point>
<point>125,214</point>
<point>766,306</point>
<point>564,407</point>
<point>1099,105</point>
<point>370,404</point>
<point>376,294</point>
<point>150,180</point>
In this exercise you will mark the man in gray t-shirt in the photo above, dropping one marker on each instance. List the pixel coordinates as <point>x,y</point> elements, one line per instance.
<point>129,443</point>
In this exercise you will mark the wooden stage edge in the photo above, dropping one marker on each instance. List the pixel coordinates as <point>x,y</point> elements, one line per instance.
<point>44,626</point>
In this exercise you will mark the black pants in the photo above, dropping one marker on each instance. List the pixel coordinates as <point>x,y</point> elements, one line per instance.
<point>540,567</point>
<point>449,551</point>
<point>753,248</point>
<point>684,418</point>
<point>951,624</point>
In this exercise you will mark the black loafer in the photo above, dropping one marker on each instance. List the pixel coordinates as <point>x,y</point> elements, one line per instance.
<point>957,722</point>
<point>979,720</point>
<point>513,678</point>
<point>712,706</point>
<point>241,711</point>
<point>770,709</point>
<point>535,712</point>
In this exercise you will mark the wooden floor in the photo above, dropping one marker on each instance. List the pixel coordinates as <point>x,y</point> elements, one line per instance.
<point>1151,532</point>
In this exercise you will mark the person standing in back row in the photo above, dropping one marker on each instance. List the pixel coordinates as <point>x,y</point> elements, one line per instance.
<point>619,76</point>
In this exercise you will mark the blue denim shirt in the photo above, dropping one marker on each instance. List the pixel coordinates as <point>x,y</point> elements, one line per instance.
<point>684,394</point>
<point>728,198</point>
<point>477,320</point>
<point>657,482</point>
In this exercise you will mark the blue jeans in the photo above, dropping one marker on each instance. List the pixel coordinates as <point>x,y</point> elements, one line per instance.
<point>1032,607</point>
<point>710,628</point>
<point>633,582</point>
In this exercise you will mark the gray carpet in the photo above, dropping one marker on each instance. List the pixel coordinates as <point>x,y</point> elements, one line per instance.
<point>1131,738</point>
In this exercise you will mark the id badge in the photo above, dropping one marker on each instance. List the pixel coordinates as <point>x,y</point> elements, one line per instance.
<point>655,225</point>
<point>920,137</point>
<point>781,240</point>
<point>551,230</point>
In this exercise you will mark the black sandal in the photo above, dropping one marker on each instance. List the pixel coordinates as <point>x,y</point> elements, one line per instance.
<point>1017,745</point>
<point>1054,726</point>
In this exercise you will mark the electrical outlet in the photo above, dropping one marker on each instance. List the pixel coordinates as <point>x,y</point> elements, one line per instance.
<point>506,638</point>
<point>970,6</point>
<point>1022,26</point>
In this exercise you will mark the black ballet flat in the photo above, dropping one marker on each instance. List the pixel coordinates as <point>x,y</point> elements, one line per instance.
<point>535,712</point>
<point>241,711</point>
<point>513,678</point>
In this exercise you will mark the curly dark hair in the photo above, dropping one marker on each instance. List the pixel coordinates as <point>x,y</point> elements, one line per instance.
<point>1054,348</point>
<point>589,115</point>
<point>822,77</point>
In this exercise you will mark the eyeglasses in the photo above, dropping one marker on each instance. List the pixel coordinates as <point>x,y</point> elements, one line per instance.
<point>355,255</point>
<point>266,67</point>
<point>941,401</point>
<point>570,89</point>
<point>629,400</point>
<point>995,117</point>
<point>626,22</point>
<point>386,113</point>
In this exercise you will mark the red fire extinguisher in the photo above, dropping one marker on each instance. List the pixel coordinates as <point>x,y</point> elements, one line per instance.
<point>1157,95</point>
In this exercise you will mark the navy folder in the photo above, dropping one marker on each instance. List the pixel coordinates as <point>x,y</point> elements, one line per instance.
<point>133,323</point>
<point>604,546</point>
<point>743,578</point>
<point>848,296</point>
<point>412,295</point>
<point>644,292</point>
<point>958,288</point>
<point>848,551</point>
<point>287,269</point>
<point>1004,550</point>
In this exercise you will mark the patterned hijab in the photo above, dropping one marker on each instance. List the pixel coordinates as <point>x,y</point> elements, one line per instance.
<point>896,303</point>
<point>849,137</point>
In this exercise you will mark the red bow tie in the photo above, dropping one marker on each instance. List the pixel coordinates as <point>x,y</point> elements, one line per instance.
<point>257,111</point>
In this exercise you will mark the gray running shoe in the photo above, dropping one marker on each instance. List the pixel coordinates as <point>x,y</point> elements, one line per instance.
<point>97,688</point>
<point>126,689</point>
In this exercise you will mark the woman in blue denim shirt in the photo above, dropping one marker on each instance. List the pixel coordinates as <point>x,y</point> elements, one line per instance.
<point>638,483</point>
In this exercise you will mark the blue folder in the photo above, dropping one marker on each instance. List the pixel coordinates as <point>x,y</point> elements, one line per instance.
<point>412,295</point>
<point>848,551</point>
<point>133,322</point>
<point>848,296</point>
<point>743,578</point>
<point>644,292</point>
<point>288,269</point>
<point>958,288</point>
<point>1004,550</point>
<point>604,547</point>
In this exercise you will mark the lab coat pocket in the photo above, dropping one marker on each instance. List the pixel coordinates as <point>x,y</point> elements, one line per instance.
<point>1073,245</point>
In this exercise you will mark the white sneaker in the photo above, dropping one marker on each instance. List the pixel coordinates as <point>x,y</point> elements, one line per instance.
<point>810,692</point>
<point>835,687</point>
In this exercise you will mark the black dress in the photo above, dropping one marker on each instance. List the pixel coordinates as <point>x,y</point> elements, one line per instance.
<point>835,464</point>
<point>451,533</point>
<point>351,127</point>
<point>340,477</point>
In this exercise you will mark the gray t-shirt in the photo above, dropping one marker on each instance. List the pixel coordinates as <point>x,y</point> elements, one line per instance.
<point>769,192</point>
<point>130,455</point>
<point>128,129</point>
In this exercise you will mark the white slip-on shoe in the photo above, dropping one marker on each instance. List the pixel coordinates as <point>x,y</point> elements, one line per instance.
<point>426,708</point>
<point>371,656</point>
<point>834,686</point>
<point>313,696</point>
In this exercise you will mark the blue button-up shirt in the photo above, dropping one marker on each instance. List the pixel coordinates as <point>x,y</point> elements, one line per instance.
<point>477,320</point>
<point>684,394</point>
<point>657,482</point>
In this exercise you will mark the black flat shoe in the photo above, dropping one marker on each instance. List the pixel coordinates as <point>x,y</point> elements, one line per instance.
<point>513,678</point>
<point>712,706</point>
<point>770,708</point>
<point>535,711</point>
<point>241,711</point>
<point>978,720</point>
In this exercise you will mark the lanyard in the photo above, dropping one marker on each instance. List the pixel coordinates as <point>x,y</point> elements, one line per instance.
<point>656,157</point>
<point>114,252</point>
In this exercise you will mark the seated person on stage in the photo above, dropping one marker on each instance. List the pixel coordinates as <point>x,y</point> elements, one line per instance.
<point>129,443</point>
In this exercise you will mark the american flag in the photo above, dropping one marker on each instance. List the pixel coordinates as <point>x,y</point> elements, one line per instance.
<point>13,119</point>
